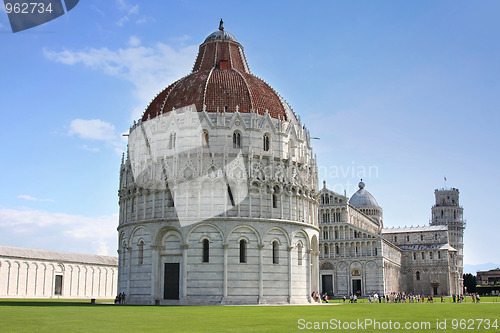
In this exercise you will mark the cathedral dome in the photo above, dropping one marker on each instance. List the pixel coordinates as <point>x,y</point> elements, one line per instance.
<point>221,82</point>
<point>362,198</point>
<point>220,34</point>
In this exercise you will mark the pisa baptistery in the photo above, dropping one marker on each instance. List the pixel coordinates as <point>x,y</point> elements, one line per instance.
<point>218,191</point>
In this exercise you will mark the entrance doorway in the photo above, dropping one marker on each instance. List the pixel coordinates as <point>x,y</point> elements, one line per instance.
<point>171,281</point>
<point>356,287</point>
<point>58,285</point>
<point>327,285</point>
<point>435,288</point>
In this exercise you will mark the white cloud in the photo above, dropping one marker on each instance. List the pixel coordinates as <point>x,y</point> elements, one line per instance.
<point>94,129</point>
<point>97,130</point>
<point>122,21</point>
<point>94,234</point>
<point>92,149</point>
<point>129,9</point>
<point>134,41</point>
<point>30,198</point>
<point>149,69</point>
<point>144,19</point>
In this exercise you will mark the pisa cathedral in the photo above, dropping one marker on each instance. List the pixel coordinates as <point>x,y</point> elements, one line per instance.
<point>220,204</point>
<point>360,256</point>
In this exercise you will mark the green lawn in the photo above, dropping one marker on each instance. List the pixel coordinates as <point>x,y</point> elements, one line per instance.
<point>81,316</point>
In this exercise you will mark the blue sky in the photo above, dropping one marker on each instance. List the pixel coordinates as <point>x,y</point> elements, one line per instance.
<point>403,93</point>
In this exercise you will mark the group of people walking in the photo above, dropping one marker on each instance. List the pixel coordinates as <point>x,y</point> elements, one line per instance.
<point>394,298</point>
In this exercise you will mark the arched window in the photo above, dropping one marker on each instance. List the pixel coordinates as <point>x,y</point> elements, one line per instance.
<point>141,252</point>
<point>275,200</point>
<point>299,254</point>
<point>423,255</point>
<point>417,275</point>
<point>206,250</point>
<point>421,237</point>
<point>205,139</point>
<point>171,142</point>
<point>230,195</point>
<point>243,251</point>
<point>266,142</point>
<point>276,254</point>
<point>455,215</point>
<point>236,140</point>
<point>442,213</point>
<point>414,256</point>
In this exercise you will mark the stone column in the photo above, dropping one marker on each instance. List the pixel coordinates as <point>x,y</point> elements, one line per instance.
<point>303,207</point>
<point>129,252</point>
<point>163,204</point>
<point>290,205</point>
<point>250,201</point>
<point>225,247</point>
<point>271,193</point>
<point>136,206</point>
<point>309,268</point>
<point>261,275</point>
<point>153,205</point>
<point>316,269</point>
<point>145,201</point>
<point>155,272</point>
<point>260,201</point>
<point>290,264</point>
<point>281,204</point>
<point>183,298</point>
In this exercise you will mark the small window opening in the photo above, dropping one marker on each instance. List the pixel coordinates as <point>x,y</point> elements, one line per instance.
<point>243,251</point>
<point>206,250</point>
<point>276,258</point>
<point>141,252</point>
<point>299,255</point>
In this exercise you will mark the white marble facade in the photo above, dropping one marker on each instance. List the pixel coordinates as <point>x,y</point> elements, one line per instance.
<point>168,224</point>
<point>29,273</point>
<point>359,255</point>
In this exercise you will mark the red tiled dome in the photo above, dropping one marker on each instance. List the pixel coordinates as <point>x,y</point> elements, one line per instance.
<point>220,79</point>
